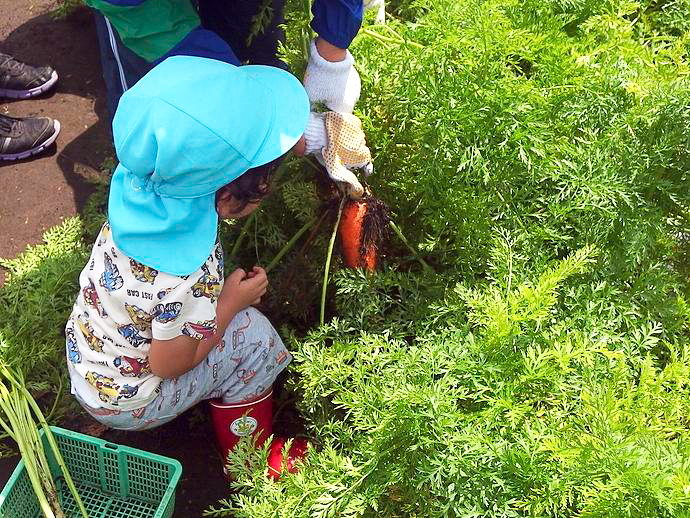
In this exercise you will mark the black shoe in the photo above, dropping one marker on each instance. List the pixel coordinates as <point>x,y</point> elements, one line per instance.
<point>24,137</point>
<point>20,81</point>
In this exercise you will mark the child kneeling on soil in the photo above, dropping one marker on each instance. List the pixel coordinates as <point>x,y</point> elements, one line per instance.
<point>155,328</point>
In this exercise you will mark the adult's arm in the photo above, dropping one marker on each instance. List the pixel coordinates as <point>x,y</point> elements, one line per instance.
<point>337,21</point>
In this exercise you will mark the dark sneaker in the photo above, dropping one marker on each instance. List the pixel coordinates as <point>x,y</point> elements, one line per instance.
<point>20,81</point>
<point>22,138</point>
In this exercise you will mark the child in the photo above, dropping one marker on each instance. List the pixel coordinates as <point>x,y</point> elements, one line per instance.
<point>155,328</point>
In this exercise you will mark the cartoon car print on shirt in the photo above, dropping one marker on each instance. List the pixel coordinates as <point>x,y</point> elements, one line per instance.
<point>221,262</point>
<point>105,233</point>
<point>161,294</point>
<point>140,318</point>
<point>94,343</point>
<point>91,299</point>
<point>110,279</point>
<point>199,330</point>
<point>132,367</point>
<point>109,391</point>
<point>207,286</point>
<point>165,313</point>
<point>131,334</point>
<point>142,273</point>
<point>72,349</point>
<point>103,411</point>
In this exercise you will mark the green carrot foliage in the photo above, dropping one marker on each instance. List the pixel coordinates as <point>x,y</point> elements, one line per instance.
<point>536,153</point>
<point>536,157</point>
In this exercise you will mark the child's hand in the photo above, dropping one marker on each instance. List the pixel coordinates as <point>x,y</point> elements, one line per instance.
<point>244,289</point>
<point>254,272</point>
<point>241,289</point>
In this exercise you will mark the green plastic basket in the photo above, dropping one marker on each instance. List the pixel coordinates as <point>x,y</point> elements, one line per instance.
<point>113,481</point>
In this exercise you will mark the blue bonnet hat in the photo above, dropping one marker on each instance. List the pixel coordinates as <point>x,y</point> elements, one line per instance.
<point>186,129</point>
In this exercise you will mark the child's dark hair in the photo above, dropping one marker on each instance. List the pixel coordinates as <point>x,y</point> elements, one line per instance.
<point>252,186</point>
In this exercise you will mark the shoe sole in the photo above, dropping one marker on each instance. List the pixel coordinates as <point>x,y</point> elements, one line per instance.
<point>33,92</point>
<point>37,149</point>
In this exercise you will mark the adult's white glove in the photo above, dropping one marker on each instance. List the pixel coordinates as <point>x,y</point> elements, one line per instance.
<point>335,84</point>
<point>338,142</point>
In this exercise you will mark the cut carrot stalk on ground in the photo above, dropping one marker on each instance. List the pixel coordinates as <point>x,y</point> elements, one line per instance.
<point>361,232</point>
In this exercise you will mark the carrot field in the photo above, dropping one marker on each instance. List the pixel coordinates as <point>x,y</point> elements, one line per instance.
<point>525,352</point>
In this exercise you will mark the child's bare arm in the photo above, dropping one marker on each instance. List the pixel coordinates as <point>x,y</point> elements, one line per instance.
<point>171,358</point>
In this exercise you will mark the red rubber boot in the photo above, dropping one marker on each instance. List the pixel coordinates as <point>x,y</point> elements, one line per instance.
<point>298,450</point>
<point>233,421</point>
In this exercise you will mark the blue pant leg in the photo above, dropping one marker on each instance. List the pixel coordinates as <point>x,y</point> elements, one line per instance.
<point>122,68</point>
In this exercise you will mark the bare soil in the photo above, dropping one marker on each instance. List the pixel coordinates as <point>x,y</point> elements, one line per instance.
<point>36,194</point>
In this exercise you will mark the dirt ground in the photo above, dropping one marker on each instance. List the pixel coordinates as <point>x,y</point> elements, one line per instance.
<point>39,193</point>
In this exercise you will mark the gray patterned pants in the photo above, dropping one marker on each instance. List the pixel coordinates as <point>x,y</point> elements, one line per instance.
<point>243,366</point>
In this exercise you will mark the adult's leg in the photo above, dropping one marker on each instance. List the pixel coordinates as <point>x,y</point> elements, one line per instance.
<point>20,80</point>
<point>235,23</point>
<point>27,136</point>
<point>21,138</point>
<point>122,68</point>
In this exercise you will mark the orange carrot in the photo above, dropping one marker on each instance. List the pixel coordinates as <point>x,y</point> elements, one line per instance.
<point>350,230</point>
<point>359,244</point>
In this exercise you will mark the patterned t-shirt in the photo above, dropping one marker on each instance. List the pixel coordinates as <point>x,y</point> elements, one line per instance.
<point>123,304</point>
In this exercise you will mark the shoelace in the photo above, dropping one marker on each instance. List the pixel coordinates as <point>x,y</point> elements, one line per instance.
<point>10,63</point>
<point>6,124</point>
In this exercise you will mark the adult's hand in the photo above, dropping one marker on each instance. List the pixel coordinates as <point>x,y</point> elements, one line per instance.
<point>331,78</point>
<point>338,142</point>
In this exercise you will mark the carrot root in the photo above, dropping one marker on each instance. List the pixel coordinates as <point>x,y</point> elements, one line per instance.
<point>361,231</point>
